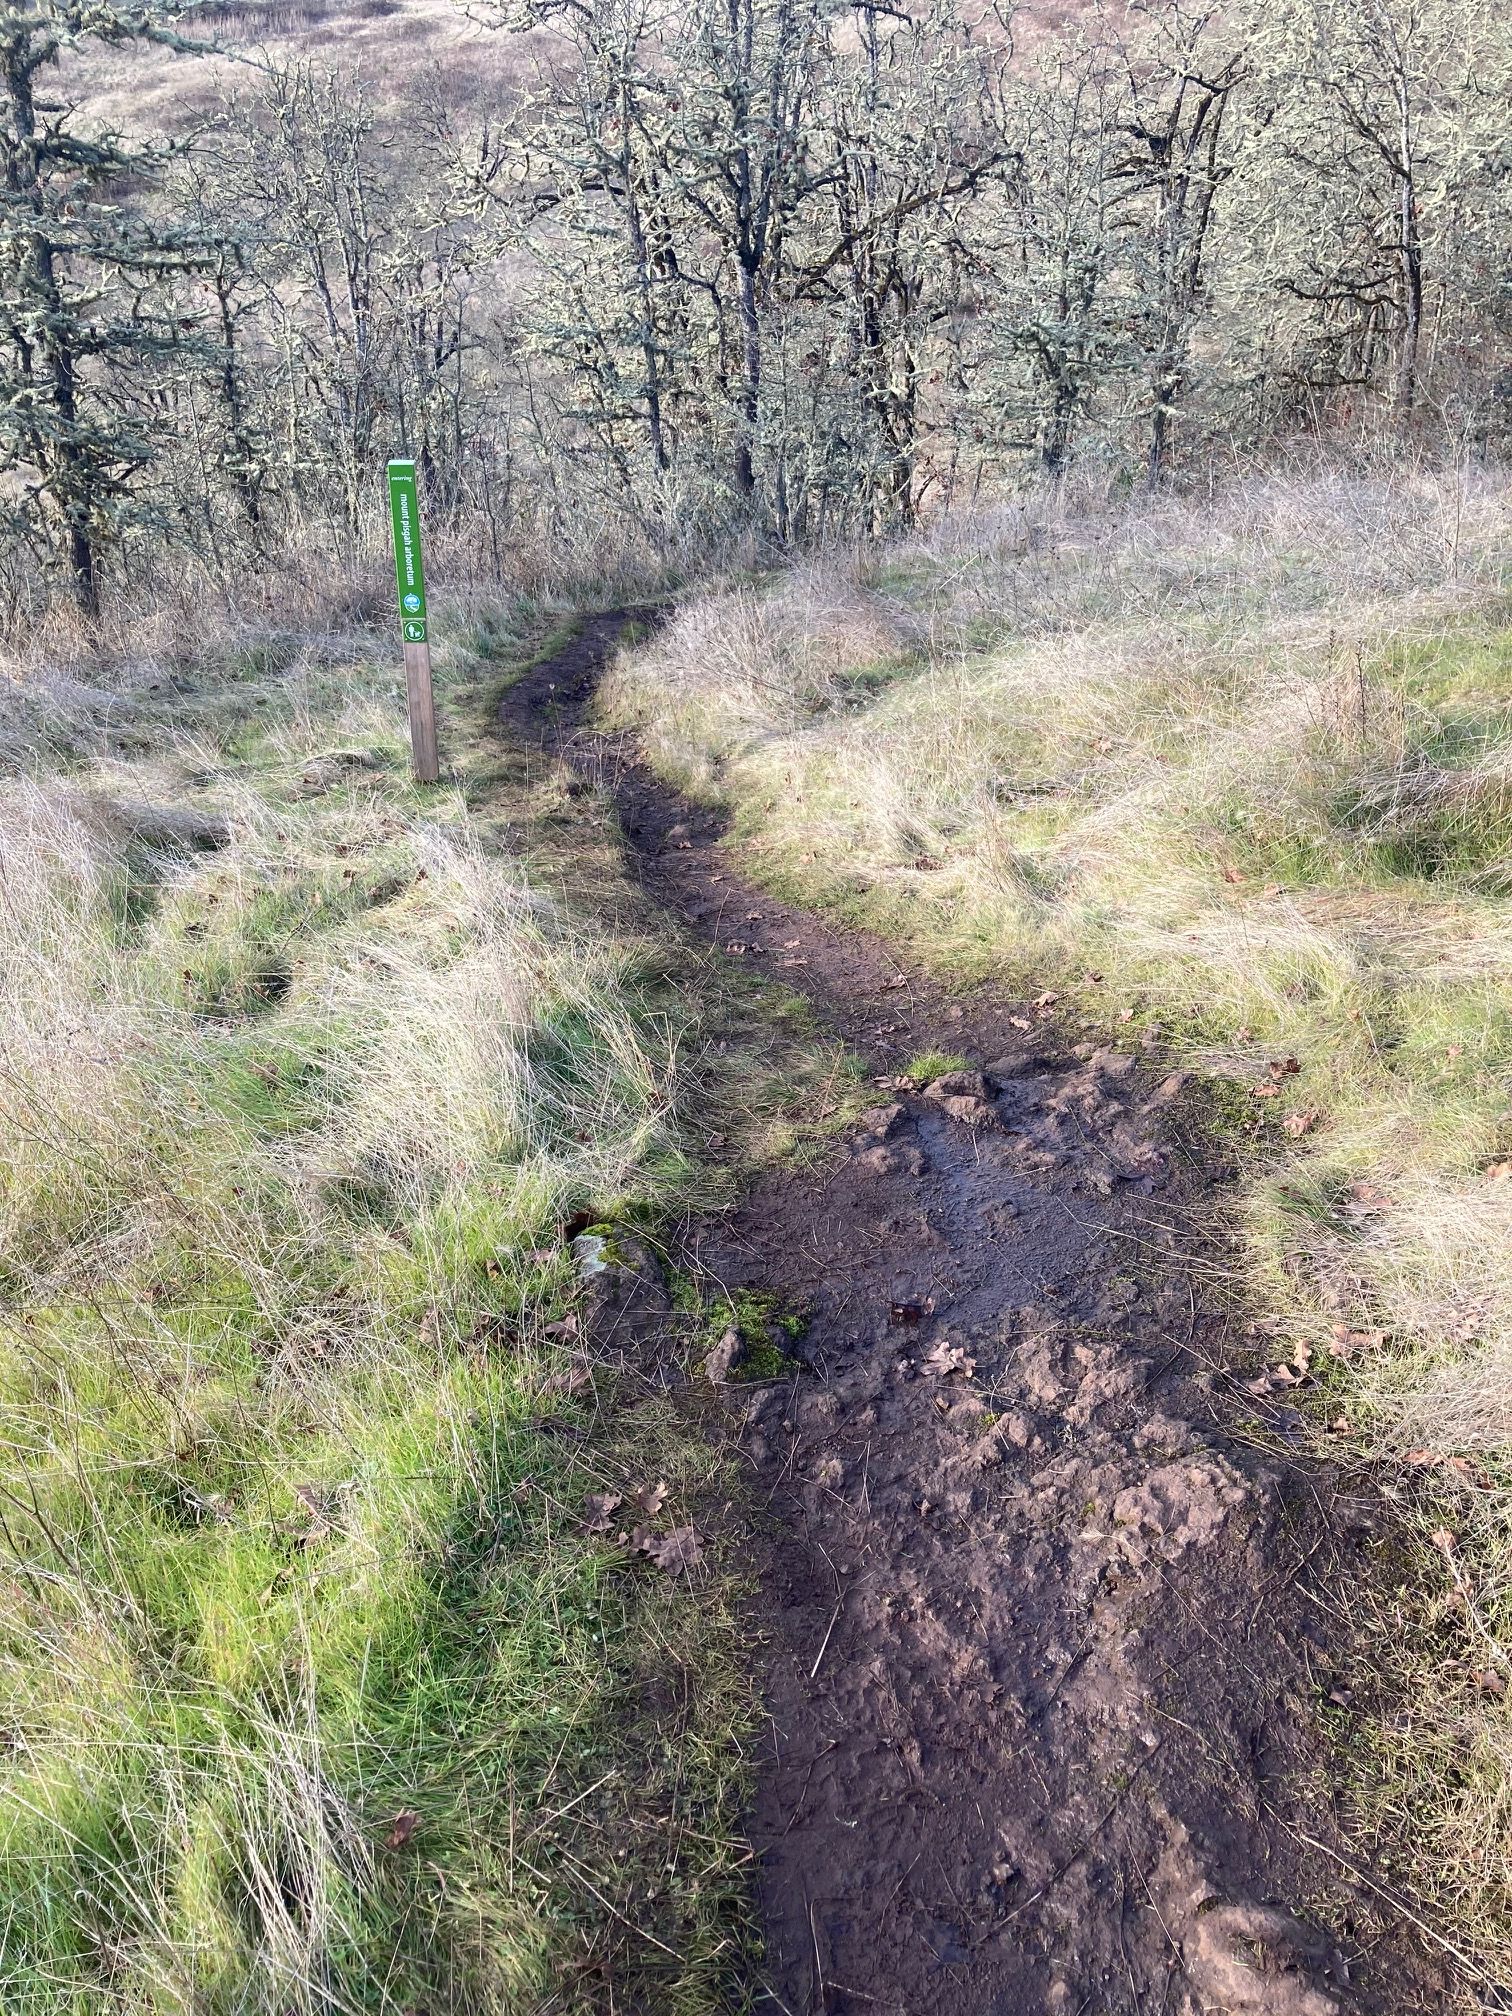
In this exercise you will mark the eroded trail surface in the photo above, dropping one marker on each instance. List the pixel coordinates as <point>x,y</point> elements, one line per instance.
<point>1045,1642</point>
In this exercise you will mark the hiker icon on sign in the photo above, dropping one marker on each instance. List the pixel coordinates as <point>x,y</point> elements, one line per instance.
<point>414,633</point>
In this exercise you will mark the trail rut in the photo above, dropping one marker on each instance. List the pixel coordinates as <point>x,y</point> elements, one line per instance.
<point>1045,1636</point>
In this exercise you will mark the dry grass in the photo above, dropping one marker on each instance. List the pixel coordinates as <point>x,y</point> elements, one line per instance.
<point>1239,772</point>
<point>299,1078</point>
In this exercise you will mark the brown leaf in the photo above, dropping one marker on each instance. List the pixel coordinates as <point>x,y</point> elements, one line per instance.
<point>1472,1472</point>
<point>946,1358</point>
<point>1298,1124</point>
<point>401,1828</point>
<point>1347,1341</point>
<point>1443,1539</point>
<point>1233,875</point>
<point>1367,1197</point>
<point>1499,1172</point>
<point>1046,1000</point>
<point>650,1498</point>
<point>1264,1091</point>
<point>598,1507</point>
<point>1283,1067</point>
<point>1020,1021</point>
<point>573,1380</point>
<point>679,1549</point>
<point>1424,1459</point>
<point>1490,1682</point>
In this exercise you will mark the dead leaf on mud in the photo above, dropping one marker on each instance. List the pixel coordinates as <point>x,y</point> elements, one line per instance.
<point>945,1359</point>
<point>907,1314</point>
<point>1046,1000</point>
<point>401,1828</point>
<point>650,1498</point>
<point>1020,1022</point>
<point>567,1327</point>
<point>672,1552</point>
<point>598,1508</point>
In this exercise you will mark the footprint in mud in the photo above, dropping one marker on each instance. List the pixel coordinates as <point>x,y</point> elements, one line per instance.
<point>1039,1653</point>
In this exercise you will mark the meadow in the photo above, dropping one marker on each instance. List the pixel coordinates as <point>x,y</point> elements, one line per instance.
<point>318,1688</point>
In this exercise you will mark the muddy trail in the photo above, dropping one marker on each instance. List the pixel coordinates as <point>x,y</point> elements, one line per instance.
<point>1045,1641</point>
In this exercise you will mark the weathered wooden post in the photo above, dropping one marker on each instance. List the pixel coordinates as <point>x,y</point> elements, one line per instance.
<point>404,506</point>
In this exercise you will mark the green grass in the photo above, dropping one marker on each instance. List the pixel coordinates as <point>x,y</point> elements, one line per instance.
<point>931,1064</point>
<point>315,1694</point>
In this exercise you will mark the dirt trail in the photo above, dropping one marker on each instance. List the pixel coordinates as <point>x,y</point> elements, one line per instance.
<point>1045,1642</point>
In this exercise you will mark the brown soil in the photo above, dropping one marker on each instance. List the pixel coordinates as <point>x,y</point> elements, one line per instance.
<point>1046,1637</point>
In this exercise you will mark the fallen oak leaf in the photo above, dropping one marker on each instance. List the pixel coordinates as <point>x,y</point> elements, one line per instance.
<point>1264,1091</point>
<point>1298,1124</point>
<point>650,1498</point>
<point>401,1828</point>
<point>1283,1067</point>
<point>1490,1682</point>
<point>679,1549</point>
<point>1443,1539</point>
<point>598,1508</point>
<point>946,1358</point>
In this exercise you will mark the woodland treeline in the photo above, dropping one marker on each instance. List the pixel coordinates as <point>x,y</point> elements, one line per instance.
<point>809,267</point>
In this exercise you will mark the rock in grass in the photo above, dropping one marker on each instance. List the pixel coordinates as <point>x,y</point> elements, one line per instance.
<point>724,1361</point>
<point>624,1291</point>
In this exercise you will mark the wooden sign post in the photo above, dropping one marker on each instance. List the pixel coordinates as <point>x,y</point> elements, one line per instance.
<point>404,507</point>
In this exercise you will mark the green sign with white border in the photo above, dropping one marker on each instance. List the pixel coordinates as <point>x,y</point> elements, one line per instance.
<point>404,506</point>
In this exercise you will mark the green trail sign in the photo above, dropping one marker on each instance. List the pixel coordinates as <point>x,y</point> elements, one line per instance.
<point>404,506</point>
